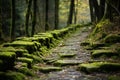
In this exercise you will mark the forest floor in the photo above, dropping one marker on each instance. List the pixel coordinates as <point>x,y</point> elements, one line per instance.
<point>70,45</point>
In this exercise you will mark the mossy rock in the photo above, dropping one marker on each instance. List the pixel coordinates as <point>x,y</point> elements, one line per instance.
<point>96,45</point>
<point>26,71</point>
<point>114,78</point>
<point>107,53</point>
<point>30,46</point>
<point>29,61</point>
<point>19,52</point>
<point>66,55</point>
<point>99,67</point>
<point>48,69</point>
<point>34,57</point>
<point>112,38</point>
<point>7,49</point>
<point>67,62</point>
<point>11,76</point>
<point>7,60</point>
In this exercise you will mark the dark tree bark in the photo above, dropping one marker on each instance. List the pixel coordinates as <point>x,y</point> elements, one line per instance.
<point>46,16</point>
<point>27,17</point>
<point>56,14</point>
<point>75,12</point>
<point>12,30</point>
<point>71,11</point>
<point>102,9</point>
<point>91,11</point>
<point>34,17</point>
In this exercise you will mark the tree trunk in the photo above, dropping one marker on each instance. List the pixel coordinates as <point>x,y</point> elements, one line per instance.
<point>27,17</point>
<point>96,8</point>
<point>56,14</point>
<point>71,11</point>
<point>46,16</point>
<point>75,12</point>
<point>12,30</point>
<point>34,17</point>
<point>102,9</point>
<point>91,11</point>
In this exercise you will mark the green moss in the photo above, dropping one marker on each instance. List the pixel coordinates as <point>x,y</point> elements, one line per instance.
<point>8,59</point>
<point>11,76</point>
<point>29,61</point>
<point>107,53</point>
<point>66,62</point>
<point>62,55</point>
<point>48,69</point>
<point>26,71</point>
<point>99,67</point>
<point>34,57</point>
<point>114,78</point>
<point>112,38</point>
<point>7,49</point>
<point>30,46</point>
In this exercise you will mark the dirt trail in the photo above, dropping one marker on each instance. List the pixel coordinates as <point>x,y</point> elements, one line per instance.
<point>69,72</point>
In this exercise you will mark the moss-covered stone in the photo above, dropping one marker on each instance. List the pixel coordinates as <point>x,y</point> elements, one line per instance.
<point>67,62</point>
<point>63,55</point>
<point>26,71</point>
<point>107,53</point>
<point>48,69</point>
<point>7,60</point>
<point>30,46</point>
<point>112,38</point>
<point>7,49</point>
<point>11,76</point>
<point>29,61</point>
<point>99,67</point>
<point>34,57</point>
<point>114,78</point>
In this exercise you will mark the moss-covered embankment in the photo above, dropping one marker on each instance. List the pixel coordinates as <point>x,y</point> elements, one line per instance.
<point>18,57</point>
<point>104,47</point>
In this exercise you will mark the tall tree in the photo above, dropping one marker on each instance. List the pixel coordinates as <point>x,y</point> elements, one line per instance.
<point>96,9</point>
<point>71,11</point>
<point>75,12</point>
<point>46,16</point>
<point>12,30</point>
<point>91,11</point>
<point>34,17</point>
<point>56,14</point>
<point>29,4</point>
<point>102,9</point>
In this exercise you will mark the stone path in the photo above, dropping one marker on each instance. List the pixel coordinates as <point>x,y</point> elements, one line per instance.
<point>70,45</point>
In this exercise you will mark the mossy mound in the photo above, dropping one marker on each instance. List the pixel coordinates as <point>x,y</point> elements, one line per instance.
<point>49,69</point>
<point>26,71</point>
<point>7,49</point>
<point>114,78</point>
<point>29,61</point>
<point>7,60</point>
<point>30,46</point>
<point>34,57</point>
<point>67,62</point>
<point>112,38</point>
<point>11,76</point>
<point>99,67</point>
<point>66,55</point>
<point>107,53</point>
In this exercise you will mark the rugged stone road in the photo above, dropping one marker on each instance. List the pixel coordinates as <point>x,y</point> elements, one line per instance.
<point>71,45</point>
